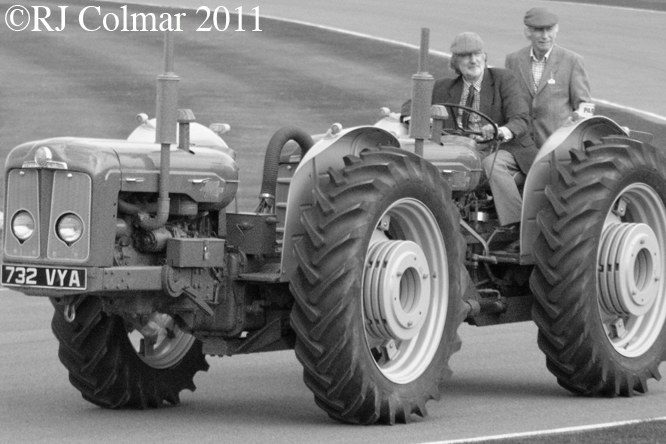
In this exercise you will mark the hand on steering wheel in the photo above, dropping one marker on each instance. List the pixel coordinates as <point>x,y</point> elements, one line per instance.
<point>489,129</point>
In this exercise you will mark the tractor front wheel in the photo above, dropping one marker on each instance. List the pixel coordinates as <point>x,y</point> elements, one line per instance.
<point>113,372</point>
<point>378,288</point>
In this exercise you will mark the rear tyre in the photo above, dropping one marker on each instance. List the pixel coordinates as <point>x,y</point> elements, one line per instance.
<point>107,369</point>
<point>378,288</point>
<point>600,272</point>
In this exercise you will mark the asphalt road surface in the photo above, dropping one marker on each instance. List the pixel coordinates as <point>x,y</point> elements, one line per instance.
<point>94,83</point>
<point>500,385</point>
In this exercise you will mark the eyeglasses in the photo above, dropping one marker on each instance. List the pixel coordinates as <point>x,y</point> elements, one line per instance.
<point>470,55</point>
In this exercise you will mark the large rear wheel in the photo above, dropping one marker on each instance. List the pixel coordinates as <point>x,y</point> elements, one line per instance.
<point>114,369</point>
<point>600,272</point>
<point>378,288</point>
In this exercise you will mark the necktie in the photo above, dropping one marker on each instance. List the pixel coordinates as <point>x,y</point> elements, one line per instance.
<point>470,104</point>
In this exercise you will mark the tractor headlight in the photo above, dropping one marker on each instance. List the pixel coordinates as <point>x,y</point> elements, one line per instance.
<point>23,225</point>
<point>69,228</point>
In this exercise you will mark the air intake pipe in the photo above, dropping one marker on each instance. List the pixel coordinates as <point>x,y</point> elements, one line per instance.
<point>165,133</point>
<point>272,160</point>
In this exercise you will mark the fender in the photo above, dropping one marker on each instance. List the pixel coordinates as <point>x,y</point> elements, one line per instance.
<point>311,172</point>
<point>391,123</point>
<point>555,150</point>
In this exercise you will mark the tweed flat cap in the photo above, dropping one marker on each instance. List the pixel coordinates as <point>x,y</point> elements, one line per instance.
<point>540,18</point>
<point>466,43</point>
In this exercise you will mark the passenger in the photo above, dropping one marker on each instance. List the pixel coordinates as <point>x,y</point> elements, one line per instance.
<point>494,92</point>
<point>552,79</point>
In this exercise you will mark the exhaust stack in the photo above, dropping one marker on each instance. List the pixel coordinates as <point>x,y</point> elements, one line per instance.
<point>422,84</point>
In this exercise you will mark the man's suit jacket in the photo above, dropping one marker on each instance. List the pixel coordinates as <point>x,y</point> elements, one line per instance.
<point>563,86</point>
<point>500,100</point>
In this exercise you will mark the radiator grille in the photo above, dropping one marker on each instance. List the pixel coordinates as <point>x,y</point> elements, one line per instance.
<point>48,195</point>
<point>22,194</point>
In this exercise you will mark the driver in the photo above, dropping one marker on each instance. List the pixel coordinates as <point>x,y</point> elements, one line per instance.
<point>495,93</point>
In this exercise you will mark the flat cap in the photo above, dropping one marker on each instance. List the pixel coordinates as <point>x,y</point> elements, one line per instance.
<point>466,43</point>
<point>540,18</point>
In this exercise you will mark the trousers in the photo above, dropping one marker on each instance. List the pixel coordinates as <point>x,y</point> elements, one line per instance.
<point>502,170</point>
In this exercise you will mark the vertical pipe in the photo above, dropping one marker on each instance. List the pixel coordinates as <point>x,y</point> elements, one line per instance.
<point>424,49</point>
<point>165,132</point>
<point>167,97</point>
<point>422,84</point>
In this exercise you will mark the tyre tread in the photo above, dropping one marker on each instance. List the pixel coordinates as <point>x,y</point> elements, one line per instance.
<point>325,284</point>
<point>563,309</point>
<point>103,366</point>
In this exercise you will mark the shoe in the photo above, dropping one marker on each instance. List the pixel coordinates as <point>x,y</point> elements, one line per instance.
<point>512,227</point>
<point>514,247</point>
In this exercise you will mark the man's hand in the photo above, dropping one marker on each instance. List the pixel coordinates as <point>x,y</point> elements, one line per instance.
<point>487,132</point>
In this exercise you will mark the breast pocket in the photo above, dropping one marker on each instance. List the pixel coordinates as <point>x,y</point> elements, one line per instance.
<point>556,87</point>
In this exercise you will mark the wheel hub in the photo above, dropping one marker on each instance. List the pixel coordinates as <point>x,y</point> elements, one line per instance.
<point>397,290</point>
<point>629,269</point>
<point>159,342</point>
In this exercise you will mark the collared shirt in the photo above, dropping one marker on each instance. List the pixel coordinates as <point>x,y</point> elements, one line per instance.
<point>476,104</point>
<point>538,67</point>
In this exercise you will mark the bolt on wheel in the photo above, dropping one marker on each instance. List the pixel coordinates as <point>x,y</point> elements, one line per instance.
<point>405,300</point>
<point>631,270</point>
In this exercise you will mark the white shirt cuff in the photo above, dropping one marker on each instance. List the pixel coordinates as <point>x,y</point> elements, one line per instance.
<point>506,132</point>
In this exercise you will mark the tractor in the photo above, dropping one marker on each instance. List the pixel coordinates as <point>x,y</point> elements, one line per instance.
<point>367,250</point>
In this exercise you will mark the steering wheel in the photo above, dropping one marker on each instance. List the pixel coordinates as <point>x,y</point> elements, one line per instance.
<point>459,129</point>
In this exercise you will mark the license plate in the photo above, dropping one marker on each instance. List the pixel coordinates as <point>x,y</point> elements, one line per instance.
<point>44,277</point>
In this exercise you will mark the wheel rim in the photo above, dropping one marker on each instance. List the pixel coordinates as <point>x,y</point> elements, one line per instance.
<point>405,296</point>
<point>631,270</point>
<point>159,342</point>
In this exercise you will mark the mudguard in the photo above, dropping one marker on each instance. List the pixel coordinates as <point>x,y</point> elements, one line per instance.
<point>391,123</point>
<point>554,151</point>
<point>327,153</point>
